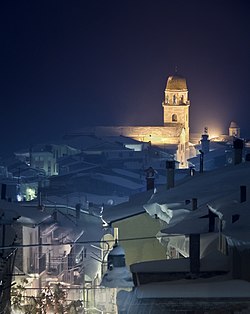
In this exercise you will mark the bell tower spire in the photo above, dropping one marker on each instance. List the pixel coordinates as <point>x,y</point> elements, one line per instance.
<point>176,103</point>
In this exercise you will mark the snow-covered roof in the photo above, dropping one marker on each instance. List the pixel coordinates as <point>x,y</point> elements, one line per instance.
<point>127,209</point>
<point>123,139</point>
<point>107,146</point>
<point>204,295</point>
<point>175,204</point>
<point>85,198</point>
<point>205,187</point>
<point>237,232</point>
<point>214,261</point>
<point>79,140</point>
<point>199,288</point>
<point>118,180</point>
<point>127,173</point>
<point>72,165</point>
<point>13,212</point>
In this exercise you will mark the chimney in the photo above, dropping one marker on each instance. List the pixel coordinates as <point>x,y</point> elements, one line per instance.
<point>194,253</point>
<point>150,178</point>
<point>3,191</point>
<point>194,247</point>
<point>78,210</point>
<point>211,221</point>
<point>235,218</point>
<point>191,171</point>
<point>55,214</point>
<point>243,193</point>
<point>238,146</point>
<point>30,156</point>
<point>40,202</point>
<point>205,141</point>
<point>194,204</point>
<point>170,166</point>
<point>201,161</point>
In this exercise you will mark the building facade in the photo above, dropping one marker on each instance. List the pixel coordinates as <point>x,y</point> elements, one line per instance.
<point>175,128</point>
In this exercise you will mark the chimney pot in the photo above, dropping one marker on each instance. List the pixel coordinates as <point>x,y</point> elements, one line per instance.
<point>3,191</point>
<point>170,166</point>
<point>238,146</point>
<point>78,210</point>
<point>243,193</point>
<point>194,203</point>
<point>194,253</point>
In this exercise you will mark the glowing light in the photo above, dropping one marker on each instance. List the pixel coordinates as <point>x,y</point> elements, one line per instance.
<point>30,194</point>
<point>19,197</point>
<point>214,131</point>
<point>214,135</point>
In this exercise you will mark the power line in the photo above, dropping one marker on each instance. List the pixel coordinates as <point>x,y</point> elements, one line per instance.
<point>18,246</point>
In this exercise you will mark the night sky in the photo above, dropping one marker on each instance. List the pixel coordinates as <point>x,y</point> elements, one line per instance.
<point>70,64</point>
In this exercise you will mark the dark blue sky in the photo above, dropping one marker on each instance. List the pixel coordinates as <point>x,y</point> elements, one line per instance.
<point>69,64</point>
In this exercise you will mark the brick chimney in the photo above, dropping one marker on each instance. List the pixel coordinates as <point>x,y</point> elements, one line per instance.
<point>243,193</point>
<point>238,146</point>
<point>3,191</point>
<point>170,166</point>
<point>78,210</point>
<point>194,247</point>
<point>150,178</point>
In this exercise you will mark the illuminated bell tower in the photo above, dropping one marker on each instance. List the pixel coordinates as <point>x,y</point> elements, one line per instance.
<point>176,104</point>
<point>234,129</point>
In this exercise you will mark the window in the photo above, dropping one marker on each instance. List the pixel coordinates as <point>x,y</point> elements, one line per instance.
<point>174,118</point>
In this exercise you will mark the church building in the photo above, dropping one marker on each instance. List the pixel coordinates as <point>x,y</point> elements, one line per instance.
<point>174,134</point>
